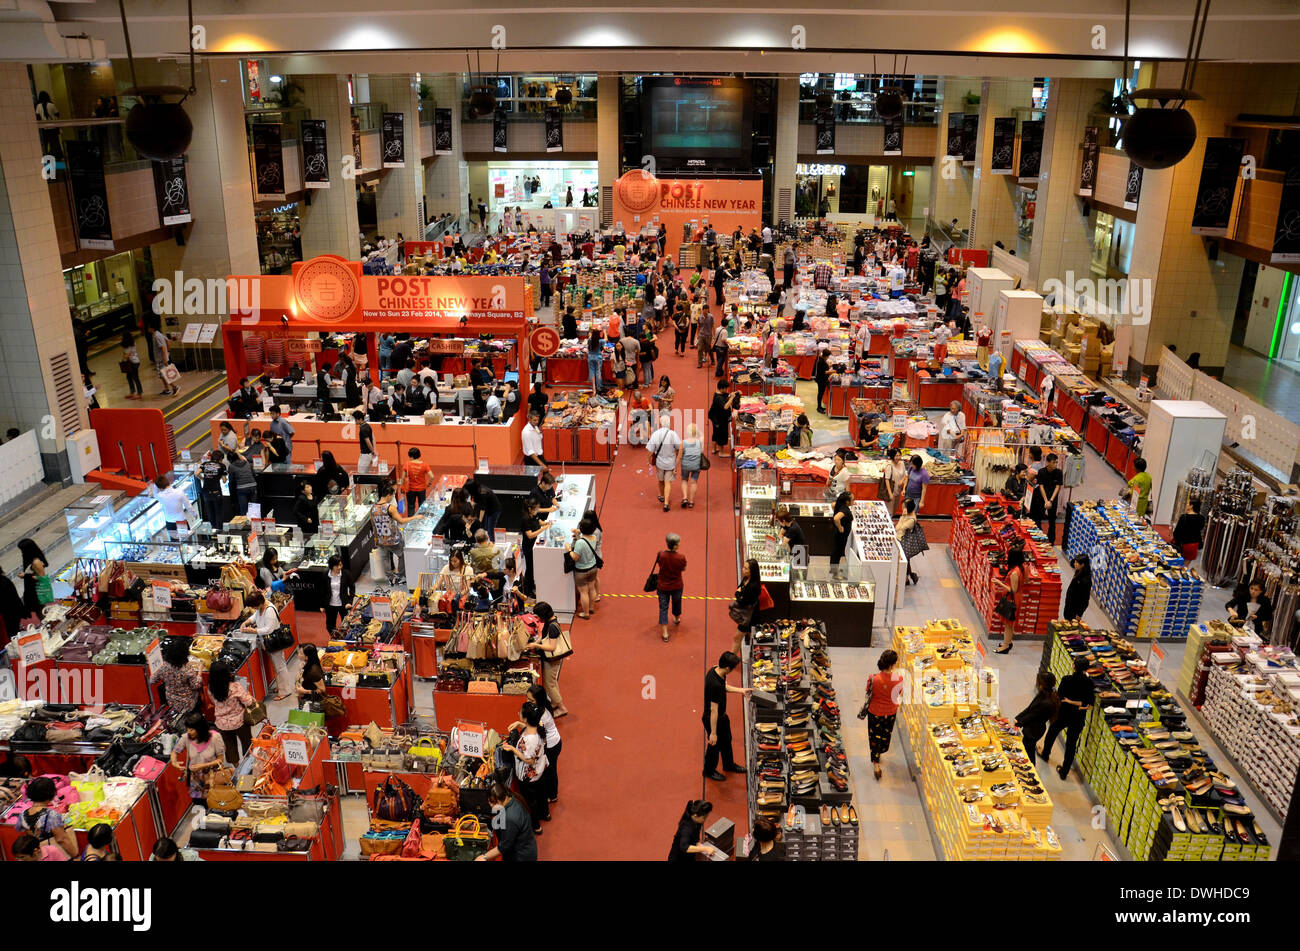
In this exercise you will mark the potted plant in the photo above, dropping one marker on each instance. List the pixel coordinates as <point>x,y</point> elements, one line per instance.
<point>971,98</point>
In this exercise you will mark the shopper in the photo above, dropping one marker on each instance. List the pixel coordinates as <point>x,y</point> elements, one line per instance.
<point>702,332</point>
<point>665,448</point>
<point>130,366</point>
<point>531,528</point>
<point>800,436</point>
<point>665,396</point>
<point>720,337</point>
<point>242,482</point>
<point>284,429</point>
<point>416,474</point>
<point>952,428</point>
<point>531,763</point>
<point>340,592</point>
<point>720,412</point>
<point>166,850</point>
<point>311,680</point>
<point>1007,608</point>
<point>1016,486</point>
<point>1079,592</point>
<point>486,504</point>
<point>270,575</point>
<point>1189,530</point>
<point>1041,711</point>
<point>388,535</point>
<point>45,823</point>
<point>767,846</point>
<point>595,358</point>
<point>880,708</point>
<point>454,579</point>
<point>180,683</point>
<point>893,481</point>
<point>918,477</point>
<point>230,701</point>
<point>842,526</point>
<point>1139,486</point>
<point>686,840</point>
<point>484,556</point>
<point>1076,695</point>
<point>306,511</point>
<point>906,522</point>
<point>38,589</point>
<point>515,841</point>
<point>1252,605</point>
<point>200,751</point>
<point>265,619</point>
<point>211,469</point>
<point>227,441</point>
<point>744,606</point>
<point>822,377</point>
<point>585,565</point>
<point>99,845</point>
<point>670,565</point>
<point>693,460</point>
<point>717,725</point>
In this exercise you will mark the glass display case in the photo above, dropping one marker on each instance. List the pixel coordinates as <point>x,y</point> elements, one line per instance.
<point>86,519</point>
<point>574,495</point>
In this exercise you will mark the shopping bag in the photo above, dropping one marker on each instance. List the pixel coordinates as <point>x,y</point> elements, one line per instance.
<point>170,374</point>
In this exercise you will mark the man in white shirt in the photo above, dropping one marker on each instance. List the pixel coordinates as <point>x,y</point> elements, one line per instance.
<point>952,427</point>
<point>404,376</point>
<point>531,437</point>
<point>665,448</point>
<point>768,247</point>
<point>173,502</point>
<point>492,408</point>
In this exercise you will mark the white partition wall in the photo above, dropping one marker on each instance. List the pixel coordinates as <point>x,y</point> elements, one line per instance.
<point>982,287</point>
<point>1179,433</point>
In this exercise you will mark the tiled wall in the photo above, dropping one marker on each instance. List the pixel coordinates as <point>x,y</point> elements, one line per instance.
<point>446,179</point>
<point>995,194</point>
<point>530,136</point>
<point>951,197</point>
<point>329,223</point>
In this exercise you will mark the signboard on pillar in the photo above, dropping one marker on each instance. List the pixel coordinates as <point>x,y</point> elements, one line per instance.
<point>1286,238</point>
<point>1220,171</point>
<point>1031,151</point>
<point>499,131</point>
<point>969,137</point>
<point>441,131</point>
<point>956,135</point>
<point>393,139</point>
<point>356,140</point>
<point>268,161</point>
<point>1133,186</point>
<point>315,154</point>
<point>826,130</point>
<point>89,196</point>
<point>554,130</point>
<point>172,192</point>
<point>1088,164</point>
<point>1004,145</point>
<point>894,136</point>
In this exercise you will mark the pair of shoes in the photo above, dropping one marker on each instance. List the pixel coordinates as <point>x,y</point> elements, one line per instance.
<point>666,506</point>
<point>559,712</point>
<point>664,635</point>
<point>1063,772</point>
<point>914,576</point>
<point>1004,649</point>
<point>876,769</point>
<point>736,769</point>
<point>685,503</point>
<point>677,620</point>
<point>715,775</point>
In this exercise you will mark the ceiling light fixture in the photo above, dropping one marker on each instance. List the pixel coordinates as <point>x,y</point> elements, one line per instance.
<point>1160,137</point>
<point>159,129</point>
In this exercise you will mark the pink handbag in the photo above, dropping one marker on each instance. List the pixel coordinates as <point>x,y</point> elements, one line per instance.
<point>149,768</point>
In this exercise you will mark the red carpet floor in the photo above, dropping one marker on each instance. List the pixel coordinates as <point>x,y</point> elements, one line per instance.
<point>634,741</point>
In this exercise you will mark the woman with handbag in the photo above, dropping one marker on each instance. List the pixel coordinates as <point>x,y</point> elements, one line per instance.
<point>1006,606</point>
<point>670,566</point>
<point>453,580</point>
<point>311,682</point>
<point>894,480</point>
<point>537,694</point>
<point>182,687</point>
<point>582,552</point>
<point>231,703</point>
<point>745,605</point>
<point>530,764</point>
<point>264,620</point>
<point>694,461</point>
<point>555,648</point>
<point>42,821</point>
<point>905,532</point>
<point>199,752</point>
<point>38,590</point>
<point>880,708</point>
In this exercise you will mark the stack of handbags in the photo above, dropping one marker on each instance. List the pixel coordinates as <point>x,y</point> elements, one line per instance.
<point>88,641</point>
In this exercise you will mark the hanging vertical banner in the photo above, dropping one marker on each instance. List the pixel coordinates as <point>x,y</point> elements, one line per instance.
<point>268,161</point>
<point>89,196</point>
<point>441,131</point>
<point>956,133</point>
<point>392,135</point>
<point>172,192</point>
<point>499,131</point>
<point>1132,186</point>
<point>554,130</point>
<point>894,136</point>
<point>315,155</point>
<point>1220,170</point>
<point>1091,156</point>
<point>1004,145</point>
<point>1031,150</point>
<point>970,134</point>
<point>826,130</point>
<point>356,141</point>
<point>1286,239</point>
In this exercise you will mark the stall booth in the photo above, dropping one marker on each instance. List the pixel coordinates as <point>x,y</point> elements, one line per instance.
<point>330,295</point>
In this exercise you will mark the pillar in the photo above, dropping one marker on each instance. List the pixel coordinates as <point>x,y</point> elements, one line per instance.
<point>786,147</point>
<point>400,189</point>
<point>446,178</point>
<point>329,223</point>
<point>41,386</point>
<point>994,196</point>
<point>951,197</point>
<point>608,143</point>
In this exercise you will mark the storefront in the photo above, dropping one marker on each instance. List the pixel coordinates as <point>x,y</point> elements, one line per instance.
<point>105,295</point>
<point>279,237</point>
<point>832,189</point>
<point>533,184</point>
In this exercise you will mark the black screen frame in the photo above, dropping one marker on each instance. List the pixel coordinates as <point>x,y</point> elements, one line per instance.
<point>675,157</point>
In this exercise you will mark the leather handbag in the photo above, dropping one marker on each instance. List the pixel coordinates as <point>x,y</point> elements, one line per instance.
<point>426,748</point>
<point>395,801</point>
<point>224,798</point>
<point>382,843</point>
<point>332,706</point>
<point>280,639</point>
<point>1006,608</point>
<point>442,799</point>
<point>255,713</point>
<point>652,582</point>
<point>148,768</point>
<point>218,600</point>
<point>206,838</point>
<point>466,841</point>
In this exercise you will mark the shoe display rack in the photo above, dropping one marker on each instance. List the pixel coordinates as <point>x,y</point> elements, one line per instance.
<point>798,770</point>
<point>986,799</point>
<point>1137,578</point>
<point>1164,796</point>
<point>983,532</point>
<point>1251,708</point>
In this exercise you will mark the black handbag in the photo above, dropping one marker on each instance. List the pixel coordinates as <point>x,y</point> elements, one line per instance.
<point>206,838</point>
<point>280,639</point>
<point>652,582</point>
<point>1006,608</point>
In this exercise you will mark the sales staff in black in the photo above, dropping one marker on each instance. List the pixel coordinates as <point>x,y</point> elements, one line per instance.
<point>842,522</point>
<point>686,840</point>
<point>1041,711</point>
<point>365,435</point>
<point>791,532</point>
<point>1017,484</point>
<point>1250,603</point>
<point>1080,589</point>
<point>717,725</point>
<point>323,384</point>
<point>1077,695</point>
<point>339,592</point>
<point>1049,488</point>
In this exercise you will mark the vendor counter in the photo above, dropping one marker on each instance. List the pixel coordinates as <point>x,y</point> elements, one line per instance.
<point>451,443</point>
<point>573,371</point>
<point>932,389</point>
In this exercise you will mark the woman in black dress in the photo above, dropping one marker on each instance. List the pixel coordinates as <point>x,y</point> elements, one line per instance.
<point>529,529</point>
<point>822,376</point>
<point>724,404</point>
<point>686,841</point>
<point>1041,711</point>
<point>748,591</point>
<point>842,522</point>
<point>1080,589</point>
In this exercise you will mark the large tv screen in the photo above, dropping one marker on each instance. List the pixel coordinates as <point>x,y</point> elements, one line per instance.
<point>700,117</point>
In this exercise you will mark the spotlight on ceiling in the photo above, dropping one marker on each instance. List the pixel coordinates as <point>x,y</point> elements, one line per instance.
<point>1159,137</point>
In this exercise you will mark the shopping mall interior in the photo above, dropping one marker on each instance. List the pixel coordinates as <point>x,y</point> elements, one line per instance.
<point>940,366</point>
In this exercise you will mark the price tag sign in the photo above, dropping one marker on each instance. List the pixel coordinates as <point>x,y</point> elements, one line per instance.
<point>162,595</point>
<point>769,545</point>
<point>381,609</point>
<point>980,649</point>
<point>899,391</point>
<point>31,649</point>
<point>327,528</point>
<point>254,511</point>
<point>294,747</point>
<point>1011,419</point>
<point>254,548</point>
<point>470,738</point>
<point>185,455</point>
<point>1155,660</point>
<point>153,656</point>
<point>899,422</point>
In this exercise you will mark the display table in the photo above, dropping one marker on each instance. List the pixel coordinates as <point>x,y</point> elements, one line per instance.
<point>389,706</point>
<point>932,389</point>
<point>498,711</point>
<point>841,398</point>
<point>135,833</point>
<point>569,371</point>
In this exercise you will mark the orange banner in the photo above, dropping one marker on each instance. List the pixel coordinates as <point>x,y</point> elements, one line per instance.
<point>640,199</point>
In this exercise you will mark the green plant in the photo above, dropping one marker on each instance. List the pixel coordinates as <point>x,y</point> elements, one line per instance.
<point>972,98</point>
<point>425,91</point>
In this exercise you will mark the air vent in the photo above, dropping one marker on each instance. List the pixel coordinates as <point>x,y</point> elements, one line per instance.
<point>606,205</point>
<point>65,394</point>
<point>783,196</point>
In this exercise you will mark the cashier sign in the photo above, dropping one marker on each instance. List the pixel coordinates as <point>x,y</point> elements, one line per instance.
<point>328,289</point>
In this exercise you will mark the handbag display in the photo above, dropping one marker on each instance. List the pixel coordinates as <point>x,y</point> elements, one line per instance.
<point>382,843</point>
<point>466,841</point>
<point>443,798</point>
<point>218,600</point>
<point>333,706</point>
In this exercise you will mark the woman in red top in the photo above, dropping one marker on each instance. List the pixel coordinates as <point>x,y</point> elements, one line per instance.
<point>670,564</point>
<point>881,706</point>
<point>416,472</point>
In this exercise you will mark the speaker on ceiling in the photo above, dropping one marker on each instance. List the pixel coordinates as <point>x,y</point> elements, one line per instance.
<point>1159,138</point>
<point>632,151</point>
